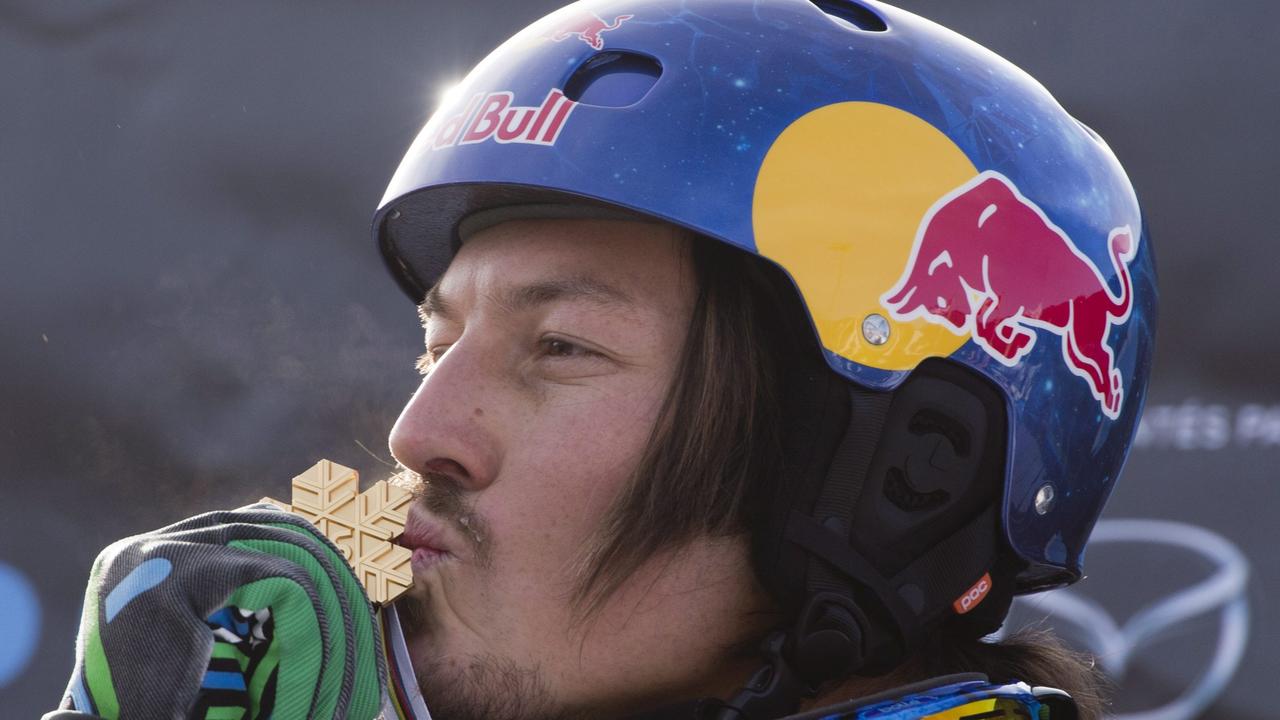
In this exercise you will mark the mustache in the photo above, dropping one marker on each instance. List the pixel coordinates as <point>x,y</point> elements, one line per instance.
<point>447,500</point>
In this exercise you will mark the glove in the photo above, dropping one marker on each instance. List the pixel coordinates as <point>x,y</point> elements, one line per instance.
<point>236,615</point>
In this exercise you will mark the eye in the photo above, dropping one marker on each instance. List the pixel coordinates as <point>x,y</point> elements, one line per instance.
<point>943,258</point>
<point>429,358</point>
<point>561,348</point>
<point>424,363</point>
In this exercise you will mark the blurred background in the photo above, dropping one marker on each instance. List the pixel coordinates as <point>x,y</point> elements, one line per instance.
<point>191,310</point>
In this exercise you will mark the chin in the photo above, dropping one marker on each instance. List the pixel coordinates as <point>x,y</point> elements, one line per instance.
<point>485,687</point>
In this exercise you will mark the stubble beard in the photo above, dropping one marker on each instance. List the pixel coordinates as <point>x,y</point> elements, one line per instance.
<point>480,686</point>
<point>485,687</point>
<point>474,687</point>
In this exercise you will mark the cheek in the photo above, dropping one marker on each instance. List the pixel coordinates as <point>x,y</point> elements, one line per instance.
<point>558,480</point>
<point>571,464</point>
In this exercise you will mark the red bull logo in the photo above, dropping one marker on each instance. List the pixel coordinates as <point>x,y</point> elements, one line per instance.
<point>589,28</point>
<point>493,117</point>
<point>970,271</point>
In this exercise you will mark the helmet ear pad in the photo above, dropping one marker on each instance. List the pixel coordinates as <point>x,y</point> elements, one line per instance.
<point>937,464</point>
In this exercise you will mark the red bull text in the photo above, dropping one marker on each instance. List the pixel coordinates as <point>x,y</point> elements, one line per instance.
<point>493,117</point>
<point>971,270</point>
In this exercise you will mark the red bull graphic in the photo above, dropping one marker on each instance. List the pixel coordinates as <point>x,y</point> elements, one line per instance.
<point>589,28</point>
<point>969,269</point>
<point>492,117</point>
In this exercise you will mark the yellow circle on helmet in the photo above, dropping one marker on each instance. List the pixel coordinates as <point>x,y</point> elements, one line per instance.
<point>839,199</point>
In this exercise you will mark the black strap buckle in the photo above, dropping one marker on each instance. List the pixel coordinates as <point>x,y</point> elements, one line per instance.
<point>773,691</point>
<point>825,644</point>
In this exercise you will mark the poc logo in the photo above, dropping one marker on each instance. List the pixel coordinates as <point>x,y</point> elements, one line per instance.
<point>973,595</point>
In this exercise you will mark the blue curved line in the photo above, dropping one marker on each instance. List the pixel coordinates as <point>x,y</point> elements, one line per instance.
<point>80,695</point>
<point>144,577</point>
<point>19,623</point>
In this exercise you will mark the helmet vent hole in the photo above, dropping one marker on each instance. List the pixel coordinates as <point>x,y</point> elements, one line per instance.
<point>613,79</point>
<point>853,13</point>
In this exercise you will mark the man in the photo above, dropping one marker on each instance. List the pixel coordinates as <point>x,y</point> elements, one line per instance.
<point>771,349</point>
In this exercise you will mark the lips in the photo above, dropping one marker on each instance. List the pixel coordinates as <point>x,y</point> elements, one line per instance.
<point>428,540</point>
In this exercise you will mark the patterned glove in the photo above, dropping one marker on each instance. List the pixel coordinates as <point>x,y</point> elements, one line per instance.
<point>235,615</point>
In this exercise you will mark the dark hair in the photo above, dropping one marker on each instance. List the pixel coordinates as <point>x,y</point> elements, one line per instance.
<point>716,451</point>
<point>716,433</point>
<point>1033,656</point>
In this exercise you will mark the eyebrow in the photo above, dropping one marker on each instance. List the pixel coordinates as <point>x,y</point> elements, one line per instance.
<point>433,304</point>
<point>525,297</point>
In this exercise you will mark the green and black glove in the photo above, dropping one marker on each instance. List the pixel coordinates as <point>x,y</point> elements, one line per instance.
<point>236,615</point>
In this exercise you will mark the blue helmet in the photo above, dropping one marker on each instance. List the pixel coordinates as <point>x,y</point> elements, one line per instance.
<point>945,222</point>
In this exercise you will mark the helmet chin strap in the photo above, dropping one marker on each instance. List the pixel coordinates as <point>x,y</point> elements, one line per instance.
<point>828,638</point>
<point>904,524</point>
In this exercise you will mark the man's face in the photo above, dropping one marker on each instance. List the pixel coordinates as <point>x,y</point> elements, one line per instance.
<point>551,346</point>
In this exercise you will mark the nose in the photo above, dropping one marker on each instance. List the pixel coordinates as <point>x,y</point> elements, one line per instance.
<point>444,428</point>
